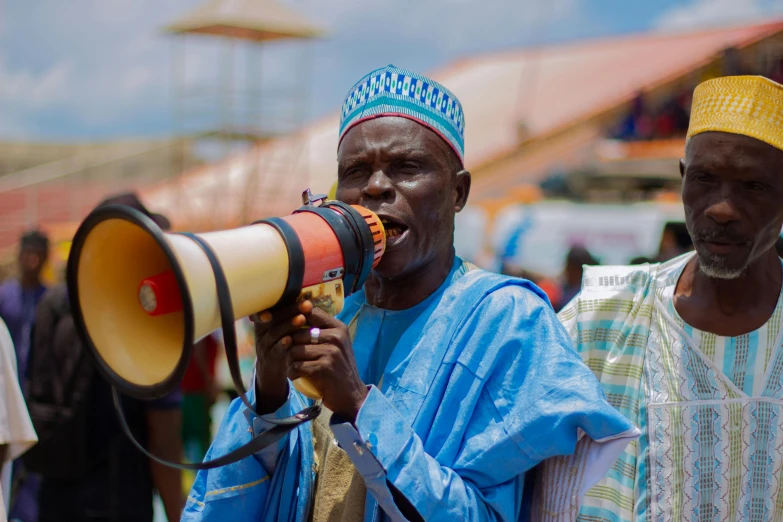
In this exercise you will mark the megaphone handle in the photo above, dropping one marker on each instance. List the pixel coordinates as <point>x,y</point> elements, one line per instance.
<point>256,444</point>
<point>328,297</point>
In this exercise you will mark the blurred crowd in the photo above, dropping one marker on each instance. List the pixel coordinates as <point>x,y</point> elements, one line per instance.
<point>80,464</point>
<point>563,289</point>
<point>668,118</point>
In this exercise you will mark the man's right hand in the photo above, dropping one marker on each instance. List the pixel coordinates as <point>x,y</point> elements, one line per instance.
<point>273,338</point>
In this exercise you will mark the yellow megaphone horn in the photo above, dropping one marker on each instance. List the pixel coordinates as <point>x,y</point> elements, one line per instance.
<point>141,297</point>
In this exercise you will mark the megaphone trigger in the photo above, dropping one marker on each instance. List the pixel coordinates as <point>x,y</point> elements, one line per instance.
<point>328,296</point>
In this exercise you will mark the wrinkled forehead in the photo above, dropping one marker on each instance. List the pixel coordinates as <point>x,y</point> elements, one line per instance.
<point>732,152</point>
<point>391,135</point>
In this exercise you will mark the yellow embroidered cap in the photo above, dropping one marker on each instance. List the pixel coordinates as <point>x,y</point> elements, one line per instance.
<point>747,105</point>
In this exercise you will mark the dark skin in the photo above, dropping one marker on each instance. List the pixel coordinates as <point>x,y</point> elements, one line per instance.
<point>31,262</point>
<point>164,427</point>
<point>411,178</point>
<point>201,357</point>
<point>573,274</point>
<point>732,193</point>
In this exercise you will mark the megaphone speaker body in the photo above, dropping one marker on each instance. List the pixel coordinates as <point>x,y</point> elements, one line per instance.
<point>142,297</point>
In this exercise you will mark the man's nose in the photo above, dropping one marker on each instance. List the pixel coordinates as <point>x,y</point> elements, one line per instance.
<point>378,187</point>
<point>723,209</point>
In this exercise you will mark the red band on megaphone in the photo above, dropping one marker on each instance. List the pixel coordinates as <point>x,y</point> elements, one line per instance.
<point>322,250</point>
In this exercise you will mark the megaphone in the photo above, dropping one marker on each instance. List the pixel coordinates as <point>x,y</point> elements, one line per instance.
<point>141,297</point>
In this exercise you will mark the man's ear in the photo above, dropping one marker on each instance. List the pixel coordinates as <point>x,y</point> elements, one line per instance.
<point>462,190</point>
<point>682,167</point>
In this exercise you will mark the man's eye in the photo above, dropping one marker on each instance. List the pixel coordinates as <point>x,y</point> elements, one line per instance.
<point>755,186</point>
<point>702,177</point>
<point>352,173</point>
<point>408,165</point>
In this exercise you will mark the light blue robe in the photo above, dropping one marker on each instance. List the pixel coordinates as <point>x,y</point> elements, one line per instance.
<point>480,388</point>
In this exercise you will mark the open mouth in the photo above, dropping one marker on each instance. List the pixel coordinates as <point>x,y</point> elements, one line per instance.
<point>394,229</point>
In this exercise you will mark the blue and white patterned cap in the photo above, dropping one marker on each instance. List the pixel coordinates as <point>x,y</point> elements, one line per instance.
<point>390,91</point>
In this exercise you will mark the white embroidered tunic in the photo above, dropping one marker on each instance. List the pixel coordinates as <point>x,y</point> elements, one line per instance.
<point>710,408</point>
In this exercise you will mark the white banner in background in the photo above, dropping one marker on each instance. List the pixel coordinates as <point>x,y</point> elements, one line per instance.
<point>537,237</point>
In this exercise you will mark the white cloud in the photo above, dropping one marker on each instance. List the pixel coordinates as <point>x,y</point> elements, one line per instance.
<point>707,13</point>
<point>49,87</point>
<point>104,67</point>
<point>451,25</point>
<point>36,91</point>
<point>137,78</point>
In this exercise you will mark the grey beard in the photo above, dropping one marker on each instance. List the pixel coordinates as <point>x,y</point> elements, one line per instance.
<point>713,268</point>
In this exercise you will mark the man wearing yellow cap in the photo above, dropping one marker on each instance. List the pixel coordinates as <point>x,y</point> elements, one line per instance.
<point>690,350</point>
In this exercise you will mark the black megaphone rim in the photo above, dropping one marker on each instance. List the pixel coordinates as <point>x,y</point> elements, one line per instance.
<point>131,215</point>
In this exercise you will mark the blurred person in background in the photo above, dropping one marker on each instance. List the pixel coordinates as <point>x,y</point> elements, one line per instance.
<point>670,246</point>
<point>199,393</point>
<point>577,257</point>
<point>549,286</point>
<point>637,123</point>
<point>733,64</point>
<point>691,350</point>
<point>16,430</point>
<point>19,297</point>
<point>89,468</point>
<point>640,260</point>
<point>18,300</point>
<point>776,72</point>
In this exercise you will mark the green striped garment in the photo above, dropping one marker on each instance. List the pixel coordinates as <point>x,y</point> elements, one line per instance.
<point>710,408</point>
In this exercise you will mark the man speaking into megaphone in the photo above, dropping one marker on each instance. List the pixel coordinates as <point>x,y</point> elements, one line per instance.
<point>443,385</point>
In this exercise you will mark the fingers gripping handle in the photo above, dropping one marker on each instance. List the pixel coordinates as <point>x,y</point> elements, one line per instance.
<point>329,297</point>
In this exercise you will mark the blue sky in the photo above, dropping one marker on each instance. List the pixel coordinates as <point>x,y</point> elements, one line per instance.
<point>101,69</point>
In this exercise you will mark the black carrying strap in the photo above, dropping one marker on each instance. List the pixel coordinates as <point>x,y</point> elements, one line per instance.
<point>363,236</point>
<point>296,259</point>
<point>280,428</point>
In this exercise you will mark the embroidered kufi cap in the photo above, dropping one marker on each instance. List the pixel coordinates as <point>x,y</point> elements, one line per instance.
<point>747,105</point>
<point>390,91</point>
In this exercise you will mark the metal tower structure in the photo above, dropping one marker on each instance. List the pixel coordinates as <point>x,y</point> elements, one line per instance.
<point>232,102</point>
